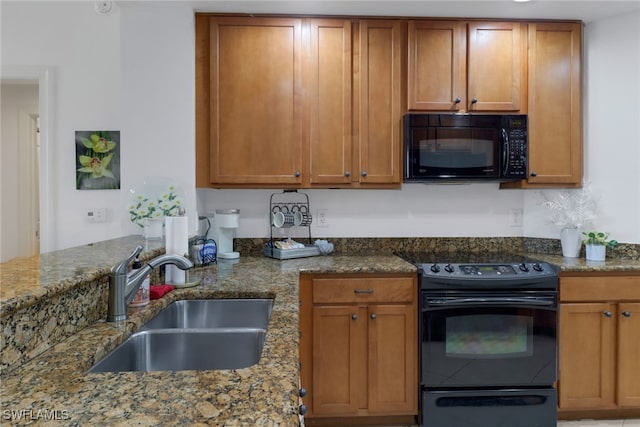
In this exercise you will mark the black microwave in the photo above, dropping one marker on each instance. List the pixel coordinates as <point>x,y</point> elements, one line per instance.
<point>465,147</point>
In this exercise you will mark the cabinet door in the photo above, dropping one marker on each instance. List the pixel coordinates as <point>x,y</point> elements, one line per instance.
<point>380,108</point>
<point>255,83</point>
<point>555,103</point>
<point>629,354</point>
<point>495,66</point>
<point>339,359</point>
<point>587,349</point>
<point>330,111</point>
<point>437,65</point>
<point>393,377</point>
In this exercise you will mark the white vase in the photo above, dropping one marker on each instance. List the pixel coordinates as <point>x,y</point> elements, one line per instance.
<point>596,252</point>
<point>570,238</point>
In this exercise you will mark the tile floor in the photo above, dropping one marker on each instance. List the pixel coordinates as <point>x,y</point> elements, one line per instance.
<point>600,423</point>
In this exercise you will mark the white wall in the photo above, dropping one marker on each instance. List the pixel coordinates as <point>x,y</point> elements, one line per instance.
<point>15,97</point>
<point>133,70</point>
<point>83,47</point>
<point>611,132</point>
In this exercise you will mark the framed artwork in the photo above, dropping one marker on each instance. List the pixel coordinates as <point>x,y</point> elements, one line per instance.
<point>98,160</point>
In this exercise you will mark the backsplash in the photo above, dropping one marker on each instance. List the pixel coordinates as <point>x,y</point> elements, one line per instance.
<point>255,246</point>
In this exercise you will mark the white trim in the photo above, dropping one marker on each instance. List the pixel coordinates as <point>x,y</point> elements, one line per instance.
<point>48,189</point>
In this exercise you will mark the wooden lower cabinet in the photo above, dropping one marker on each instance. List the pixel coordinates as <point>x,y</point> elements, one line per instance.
<point>359,345</point>
<point>599,344</point>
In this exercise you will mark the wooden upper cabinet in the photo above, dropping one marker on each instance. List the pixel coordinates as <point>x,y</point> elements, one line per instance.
<point>330,107</point>
<point>496,66</point>
<point>378,81</point>
<point>555,103</point>
<point>252,71</point>
<point>437,67</point>
<point>457,66</point>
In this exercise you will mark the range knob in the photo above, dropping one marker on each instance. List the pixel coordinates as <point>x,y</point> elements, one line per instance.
<point>537,267</point>
<point>523,267</point>
<point>435,268</point>
<point>448,268</point>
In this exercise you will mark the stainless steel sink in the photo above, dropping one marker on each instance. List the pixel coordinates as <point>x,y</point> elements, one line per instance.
<point>185,349</point>
<point>214,313</point>
<point>195,335</point>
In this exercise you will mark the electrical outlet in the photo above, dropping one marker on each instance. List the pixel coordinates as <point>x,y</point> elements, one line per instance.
<point>322,218</point>
<point>515,217</point>
<point>97,215</point>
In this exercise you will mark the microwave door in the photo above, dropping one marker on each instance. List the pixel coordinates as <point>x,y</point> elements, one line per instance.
<point>459,153</point>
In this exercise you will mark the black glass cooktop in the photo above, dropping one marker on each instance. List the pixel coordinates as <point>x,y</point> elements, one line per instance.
<point>418,258</point>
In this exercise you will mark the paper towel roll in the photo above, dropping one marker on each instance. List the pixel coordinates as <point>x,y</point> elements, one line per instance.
<point>177,243</point>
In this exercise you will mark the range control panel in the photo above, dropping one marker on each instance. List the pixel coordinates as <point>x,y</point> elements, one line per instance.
<point>470,271</point>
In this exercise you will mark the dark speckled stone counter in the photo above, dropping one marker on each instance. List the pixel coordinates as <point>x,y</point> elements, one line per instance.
<point>66,291</point>
<point>263,394</point>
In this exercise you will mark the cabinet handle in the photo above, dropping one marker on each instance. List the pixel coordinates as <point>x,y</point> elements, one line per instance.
<point>354,316</point>
<point>364,173</point>
<point>457,100</point>
<point>608,313</point>
<point>373,317</point>
<point>347,174</point>
<point>363,291</point>
<point>303,392</point>
<point>297,174</point>
<point>534,174</point>
<point>626,313</point>
<point>474,100</point>
<point>303,409</point>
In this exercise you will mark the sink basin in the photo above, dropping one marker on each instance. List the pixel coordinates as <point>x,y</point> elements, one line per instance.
<point>185,349</point>
<point>195,335</point>
<point>214,313</point>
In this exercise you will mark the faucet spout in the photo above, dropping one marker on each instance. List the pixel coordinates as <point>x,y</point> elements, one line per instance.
<point>122,289</point>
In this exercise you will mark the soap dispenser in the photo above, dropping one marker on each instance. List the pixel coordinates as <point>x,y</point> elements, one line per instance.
<point>142,296</point>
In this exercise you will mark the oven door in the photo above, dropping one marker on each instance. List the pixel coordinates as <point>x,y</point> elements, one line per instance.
<point>488,339</point>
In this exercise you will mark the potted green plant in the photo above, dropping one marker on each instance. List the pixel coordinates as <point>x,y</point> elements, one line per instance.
<point>596,243</point>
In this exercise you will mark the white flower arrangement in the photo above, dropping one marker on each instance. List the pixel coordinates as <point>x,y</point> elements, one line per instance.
<point>572,208</point>
<point>167,204</point>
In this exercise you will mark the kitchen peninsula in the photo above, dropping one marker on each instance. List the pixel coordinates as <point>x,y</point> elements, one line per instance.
<point>53,311</point>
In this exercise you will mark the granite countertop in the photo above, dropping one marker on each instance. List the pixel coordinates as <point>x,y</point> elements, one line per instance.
<point>263,394</point>
<point>581,265</point>
<point>56,383</point>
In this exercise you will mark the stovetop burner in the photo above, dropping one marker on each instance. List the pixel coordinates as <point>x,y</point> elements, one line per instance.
<point>417,258</point>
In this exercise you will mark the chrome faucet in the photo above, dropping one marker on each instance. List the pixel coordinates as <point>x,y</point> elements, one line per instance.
<point>122,289</point>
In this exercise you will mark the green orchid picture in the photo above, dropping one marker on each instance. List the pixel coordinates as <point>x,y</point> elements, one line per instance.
<point>97,160</point>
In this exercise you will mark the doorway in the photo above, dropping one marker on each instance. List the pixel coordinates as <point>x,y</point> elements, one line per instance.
<point>27,180</point>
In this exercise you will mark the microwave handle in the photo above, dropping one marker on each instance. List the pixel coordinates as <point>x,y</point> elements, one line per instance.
<point>505,152</point>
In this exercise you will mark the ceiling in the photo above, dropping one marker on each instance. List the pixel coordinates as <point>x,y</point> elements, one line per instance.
<point>586,11</point>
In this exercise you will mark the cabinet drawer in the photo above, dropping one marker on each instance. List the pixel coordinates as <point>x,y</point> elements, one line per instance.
<point>382,289</point>
<point>600,288</point>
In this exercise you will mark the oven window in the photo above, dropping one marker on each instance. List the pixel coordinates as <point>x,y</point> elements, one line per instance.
<point>489,336</point>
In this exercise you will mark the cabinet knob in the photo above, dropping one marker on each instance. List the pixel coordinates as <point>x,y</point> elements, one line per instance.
<point>534,174</point>
<point>302,392</point>
<point>354,316</point>
<point>474,100</point>
<point>364,173</point>
<point>297,174</point>
<point>303,409</point>
<point>373,317</point>
<point>457,100</point>
<point>347,174</point>
<point>626,313</point>
<point>608,313</point>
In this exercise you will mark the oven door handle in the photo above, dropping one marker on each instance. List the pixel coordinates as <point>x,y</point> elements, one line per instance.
<point>546,302</point>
